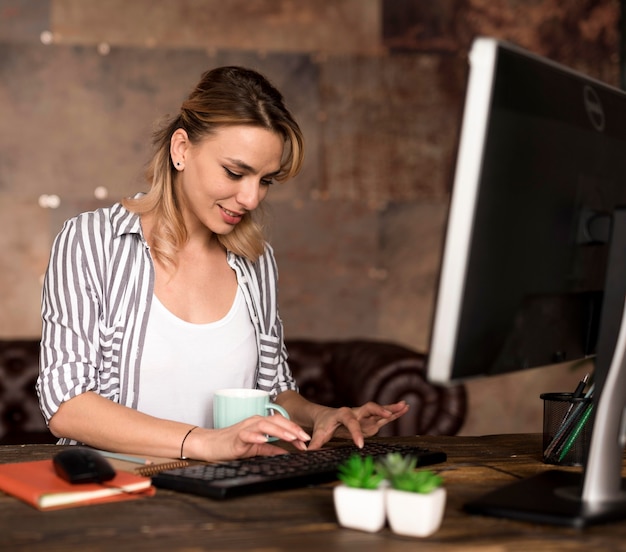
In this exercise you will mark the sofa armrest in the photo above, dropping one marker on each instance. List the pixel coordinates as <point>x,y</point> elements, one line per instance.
<point>21,420</point>
<point>351,373</point>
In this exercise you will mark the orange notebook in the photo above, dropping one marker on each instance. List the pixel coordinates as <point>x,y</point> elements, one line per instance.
<point>37,484</point>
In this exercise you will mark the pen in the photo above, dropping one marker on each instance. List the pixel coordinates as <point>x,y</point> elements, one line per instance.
<point>125,457</point>
<point>578,392</point>
<point>574,434</point>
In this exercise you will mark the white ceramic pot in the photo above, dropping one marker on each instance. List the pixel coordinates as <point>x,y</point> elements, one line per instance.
<point>362,509</point>
<point>415,514</point>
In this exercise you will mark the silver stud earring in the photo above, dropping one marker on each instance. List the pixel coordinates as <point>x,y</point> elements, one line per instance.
<point>179,165</point>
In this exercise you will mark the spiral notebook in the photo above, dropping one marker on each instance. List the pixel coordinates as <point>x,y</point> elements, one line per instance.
<point>146,466</point>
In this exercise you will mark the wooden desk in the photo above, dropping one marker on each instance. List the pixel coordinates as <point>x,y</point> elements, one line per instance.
<point>302,519</point>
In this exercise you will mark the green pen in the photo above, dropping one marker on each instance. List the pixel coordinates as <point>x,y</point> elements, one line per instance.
<point>576,432</point>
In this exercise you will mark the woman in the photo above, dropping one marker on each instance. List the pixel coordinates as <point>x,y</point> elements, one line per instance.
<point>152,305</point>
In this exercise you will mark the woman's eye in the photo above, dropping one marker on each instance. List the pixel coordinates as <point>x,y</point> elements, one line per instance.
<point>236,176</point>
<point>231,174</point>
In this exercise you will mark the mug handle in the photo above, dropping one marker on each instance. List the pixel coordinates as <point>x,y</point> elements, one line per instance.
<point>277,408</point>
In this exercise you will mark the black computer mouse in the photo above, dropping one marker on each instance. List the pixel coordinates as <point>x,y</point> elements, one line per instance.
<point>82,465</point>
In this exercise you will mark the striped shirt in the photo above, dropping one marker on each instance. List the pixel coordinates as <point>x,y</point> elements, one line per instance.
<point>96,301</point>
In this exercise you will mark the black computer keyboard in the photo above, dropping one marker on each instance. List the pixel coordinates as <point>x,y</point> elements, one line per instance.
<point>273,473</point>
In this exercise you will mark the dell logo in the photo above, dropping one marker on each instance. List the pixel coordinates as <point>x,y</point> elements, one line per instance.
<point>594,108</point>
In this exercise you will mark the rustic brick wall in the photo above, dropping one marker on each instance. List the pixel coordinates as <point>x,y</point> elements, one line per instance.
<point>377,86</point>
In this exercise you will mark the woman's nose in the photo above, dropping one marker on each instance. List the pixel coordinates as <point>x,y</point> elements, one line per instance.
<point>249,195</point>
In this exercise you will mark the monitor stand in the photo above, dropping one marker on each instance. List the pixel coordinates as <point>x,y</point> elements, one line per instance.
<point>597,495</point>
<point>552,497</point>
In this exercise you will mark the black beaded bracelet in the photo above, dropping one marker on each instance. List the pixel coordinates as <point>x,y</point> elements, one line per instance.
<point>183,442</point>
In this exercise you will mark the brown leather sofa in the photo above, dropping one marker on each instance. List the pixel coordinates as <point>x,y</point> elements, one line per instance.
<point>334,373</point>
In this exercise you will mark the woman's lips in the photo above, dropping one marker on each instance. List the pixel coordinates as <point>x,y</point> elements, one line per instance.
<point>231,217</point>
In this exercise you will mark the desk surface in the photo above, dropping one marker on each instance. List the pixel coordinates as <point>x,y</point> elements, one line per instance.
<point>302,519</point>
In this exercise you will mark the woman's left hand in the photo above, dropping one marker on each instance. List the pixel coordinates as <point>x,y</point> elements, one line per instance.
<point>356,423</point>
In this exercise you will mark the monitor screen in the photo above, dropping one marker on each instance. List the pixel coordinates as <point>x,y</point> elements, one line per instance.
<point>541,150</point>
<point>540,176</point>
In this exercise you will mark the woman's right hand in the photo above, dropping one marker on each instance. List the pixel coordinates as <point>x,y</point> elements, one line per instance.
<point>91,419</point>
<point>244,439</point>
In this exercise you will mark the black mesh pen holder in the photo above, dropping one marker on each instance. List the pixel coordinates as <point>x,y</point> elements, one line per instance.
<point>566,428</point>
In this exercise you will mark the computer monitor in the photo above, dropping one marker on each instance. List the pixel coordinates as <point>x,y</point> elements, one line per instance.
<point>533,271</point>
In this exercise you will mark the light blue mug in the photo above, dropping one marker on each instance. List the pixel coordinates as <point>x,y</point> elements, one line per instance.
<point>231,406</point>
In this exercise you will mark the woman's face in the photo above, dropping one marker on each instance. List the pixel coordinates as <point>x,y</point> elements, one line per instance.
<point>225,175</point>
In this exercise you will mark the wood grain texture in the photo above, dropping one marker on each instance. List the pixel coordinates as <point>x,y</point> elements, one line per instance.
<point>302,519</point>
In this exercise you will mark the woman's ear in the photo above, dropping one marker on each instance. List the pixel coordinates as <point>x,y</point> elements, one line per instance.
<point>179,143</point>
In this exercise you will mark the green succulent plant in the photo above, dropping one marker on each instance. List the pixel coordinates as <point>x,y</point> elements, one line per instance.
<point>360,472</point>
<point>424,481</point>
<point>401,473</point>
<point>394,464</point>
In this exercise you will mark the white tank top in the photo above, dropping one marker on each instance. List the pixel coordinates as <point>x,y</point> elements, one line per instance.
<point>183,364</point>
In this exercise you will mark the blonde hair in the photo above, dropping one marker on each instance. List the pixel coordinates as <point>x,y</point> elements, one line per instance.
<point>224,96</point>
